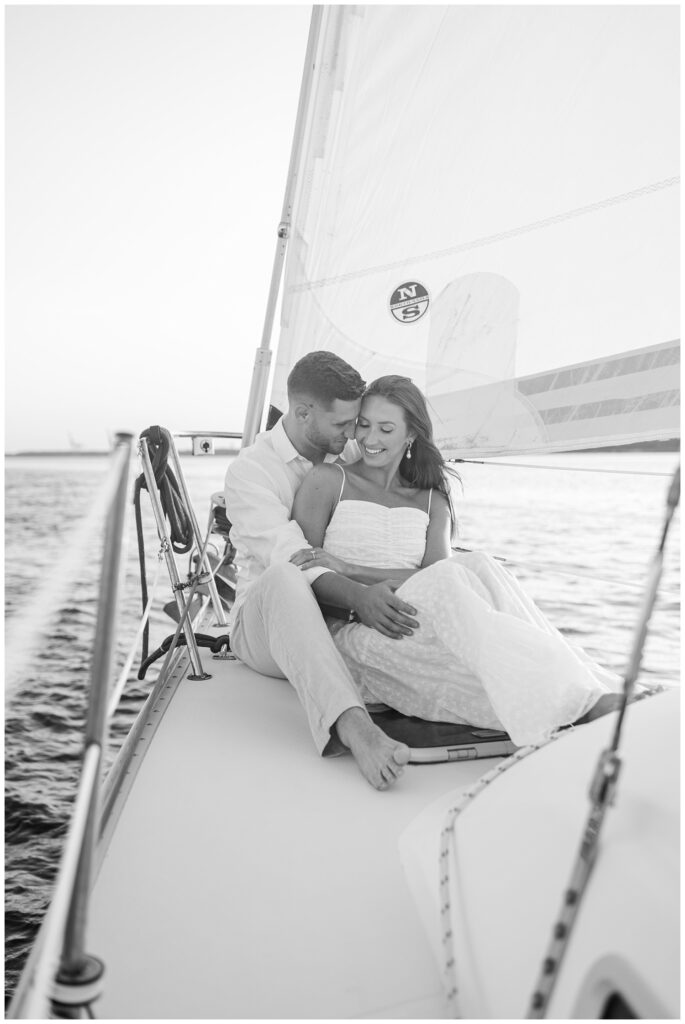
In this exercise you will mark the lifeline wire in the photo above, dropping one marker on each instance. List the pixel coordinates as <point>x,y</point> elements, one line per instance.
<point>123,675</point>
<point>602,789</point>
<point>28,626</point>
<point>447,846</point>
<point>186,611</point>
<point>567,469</point>
<point>555,570</point>
<point>446,841</point>
<point>574,575</point>
<point>601,794</point>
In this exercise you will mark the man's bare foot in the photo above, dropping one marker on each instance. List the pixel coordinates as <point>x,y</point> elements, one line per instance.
<point>380,759</point>
<point>606,703</point>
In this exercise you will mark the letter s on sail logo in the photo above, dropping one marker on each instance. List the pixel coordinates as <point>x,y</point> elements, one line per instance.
<point>409,302</point>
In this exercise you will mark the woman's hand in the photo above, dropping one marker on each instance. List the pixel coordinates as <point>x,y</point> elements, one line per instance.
<point>317,558</point>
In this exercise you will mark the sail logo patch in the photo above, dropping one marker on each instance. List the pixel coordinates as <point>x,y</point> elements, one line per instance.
<point>409,302</point>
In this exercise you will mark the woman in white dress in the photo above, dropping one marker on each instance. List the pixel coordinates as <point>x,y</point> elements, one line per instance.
<point>477,650</point>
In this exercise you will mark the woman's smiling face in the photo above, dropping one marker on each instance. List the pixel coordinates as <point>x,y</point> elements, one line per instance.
<point>382,433</point>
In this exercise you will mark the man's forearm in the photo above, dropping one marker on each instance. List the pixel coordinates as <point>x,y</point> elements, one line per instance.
<point>331,588</point>
<point>376,605</point>
<point>369,574</point>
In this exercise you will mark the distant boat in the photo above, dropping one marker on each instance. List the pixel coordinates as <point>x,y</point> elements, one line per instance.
<point>74,445</point>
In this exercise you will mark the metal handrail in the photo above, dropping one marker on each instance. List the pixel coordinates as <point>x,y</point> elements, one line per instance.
<point>96,724</point>
<point>32,1000</point>
<point>29,625</point>
<point>66,919</point>
<point>208,433</point>
<point>122,679</point>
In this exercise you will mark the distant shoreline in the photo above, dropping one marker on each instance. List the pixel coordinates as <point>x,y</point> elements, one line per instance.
<point>99,454</point>
<point>646,446</point>
<point>69,454</point>
<point>641,446</point>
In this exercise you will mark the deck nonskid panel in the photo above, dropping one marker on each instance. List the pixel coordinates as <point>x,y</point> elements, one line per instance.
<point>248,877</point>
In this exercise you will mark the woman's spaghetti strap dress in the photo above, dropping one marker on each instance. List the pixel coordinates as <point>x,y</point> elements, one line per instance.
<point>484,653</point>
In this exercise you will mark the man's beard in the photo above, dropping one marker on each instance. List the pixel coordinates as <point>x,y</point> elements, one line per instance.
<point>331,446</point>
<point>336,447</point>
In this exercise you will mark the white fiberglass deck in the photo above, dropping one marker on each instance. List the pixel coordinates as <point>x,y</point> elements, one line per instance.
<point>510,865</point>
<point>249,878</point>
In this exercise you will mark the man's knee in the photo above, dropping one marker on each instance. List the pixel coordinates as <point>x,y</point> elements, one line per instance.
<point>284,575</point>
<point>286,583</point>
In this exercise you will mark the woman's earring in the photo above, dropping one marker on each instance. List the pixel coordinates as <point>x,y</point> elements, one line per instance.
<point>409,450</point>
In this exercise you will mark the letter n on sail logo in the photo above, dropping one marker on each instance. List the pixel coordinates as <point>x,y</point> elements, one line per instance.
<point>409,302</point>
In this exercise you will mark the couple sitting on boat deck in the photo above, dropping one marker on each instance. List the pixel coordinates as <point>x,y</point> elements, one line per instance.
<point>446,636</point>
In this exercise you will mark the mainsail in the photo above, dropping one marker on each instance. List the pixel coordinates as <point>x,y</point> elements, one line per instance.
<point>487,202</point>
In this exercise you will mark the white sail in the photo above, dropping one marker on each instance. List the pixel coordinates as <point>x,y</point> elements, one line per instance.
<point>487,202</point>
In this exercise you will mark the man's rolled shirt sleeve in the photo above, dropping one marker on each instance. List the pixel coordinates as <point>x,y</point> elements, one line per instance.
<point>260,523</point>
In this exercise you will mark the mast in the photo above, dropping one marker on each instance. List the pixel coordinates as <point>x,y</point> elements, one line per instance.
<point>260,372</point>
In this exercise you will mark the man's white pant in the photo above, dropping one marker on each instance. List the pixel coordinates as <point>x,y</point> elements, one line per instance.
<point>279,631</point>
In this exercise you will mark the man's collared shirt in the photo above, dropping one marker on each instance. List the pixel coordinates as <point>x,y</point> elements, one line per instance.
<point>259,490</point>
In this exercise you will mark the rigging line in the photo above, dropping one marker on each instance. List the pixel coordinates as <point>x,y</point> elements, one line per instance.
<point>574,575</point>
<point>501,236</point>
<point>123,675</point>
<point>569,469</point>
<point>547,567</point>
<point>446,867</point>
<point>602,788</point>
<point>185,614</point>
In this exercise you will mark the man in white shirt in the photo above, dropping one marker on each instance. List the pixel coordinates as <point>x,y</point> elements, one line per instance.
<point>276,625</point>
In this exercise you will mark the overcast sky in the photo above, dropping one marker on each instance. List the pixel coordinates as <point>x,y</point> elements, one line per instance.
<point>146,155</point>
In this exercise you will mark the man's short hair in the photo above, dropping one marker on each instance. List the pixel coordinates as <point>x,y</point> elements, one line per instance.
<point>324,377</point>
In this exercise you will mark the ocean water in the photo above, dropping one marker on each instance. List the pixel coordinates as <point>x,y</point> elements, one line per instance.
<point>579,531</point>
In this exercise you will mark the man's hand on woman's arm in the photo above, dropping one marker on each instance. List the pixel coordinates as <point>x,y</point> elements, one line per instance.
<point>312,558</point>
<point>377,605</point>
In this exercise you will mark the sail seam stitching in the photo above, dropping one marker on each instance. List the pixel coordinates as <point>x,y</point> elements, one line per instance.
<point>477,243</point>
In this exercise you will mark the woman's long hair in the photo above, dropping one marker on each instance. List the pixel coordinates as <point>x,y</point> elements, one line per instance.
<point>426,468</point>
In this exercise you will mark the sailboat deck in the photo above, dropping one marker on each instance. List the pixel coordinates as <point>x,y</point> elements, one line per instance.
<point>261,880</point>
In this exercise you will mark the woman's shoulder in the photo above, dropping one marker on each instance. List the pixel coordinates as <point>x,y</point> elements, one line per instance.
<point>419,496</point>
<point>353,471</point>
<point>439,500</point>
<point>325,476</point>
<point>439,506</point>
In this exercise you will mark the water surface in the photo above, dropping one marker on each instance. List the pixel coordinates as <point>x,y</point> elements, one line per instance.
<point>580,540</point>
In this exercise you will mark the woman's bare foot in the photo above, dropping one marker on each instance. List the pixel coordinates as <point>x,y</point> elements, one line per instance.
<point>380,759</point>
